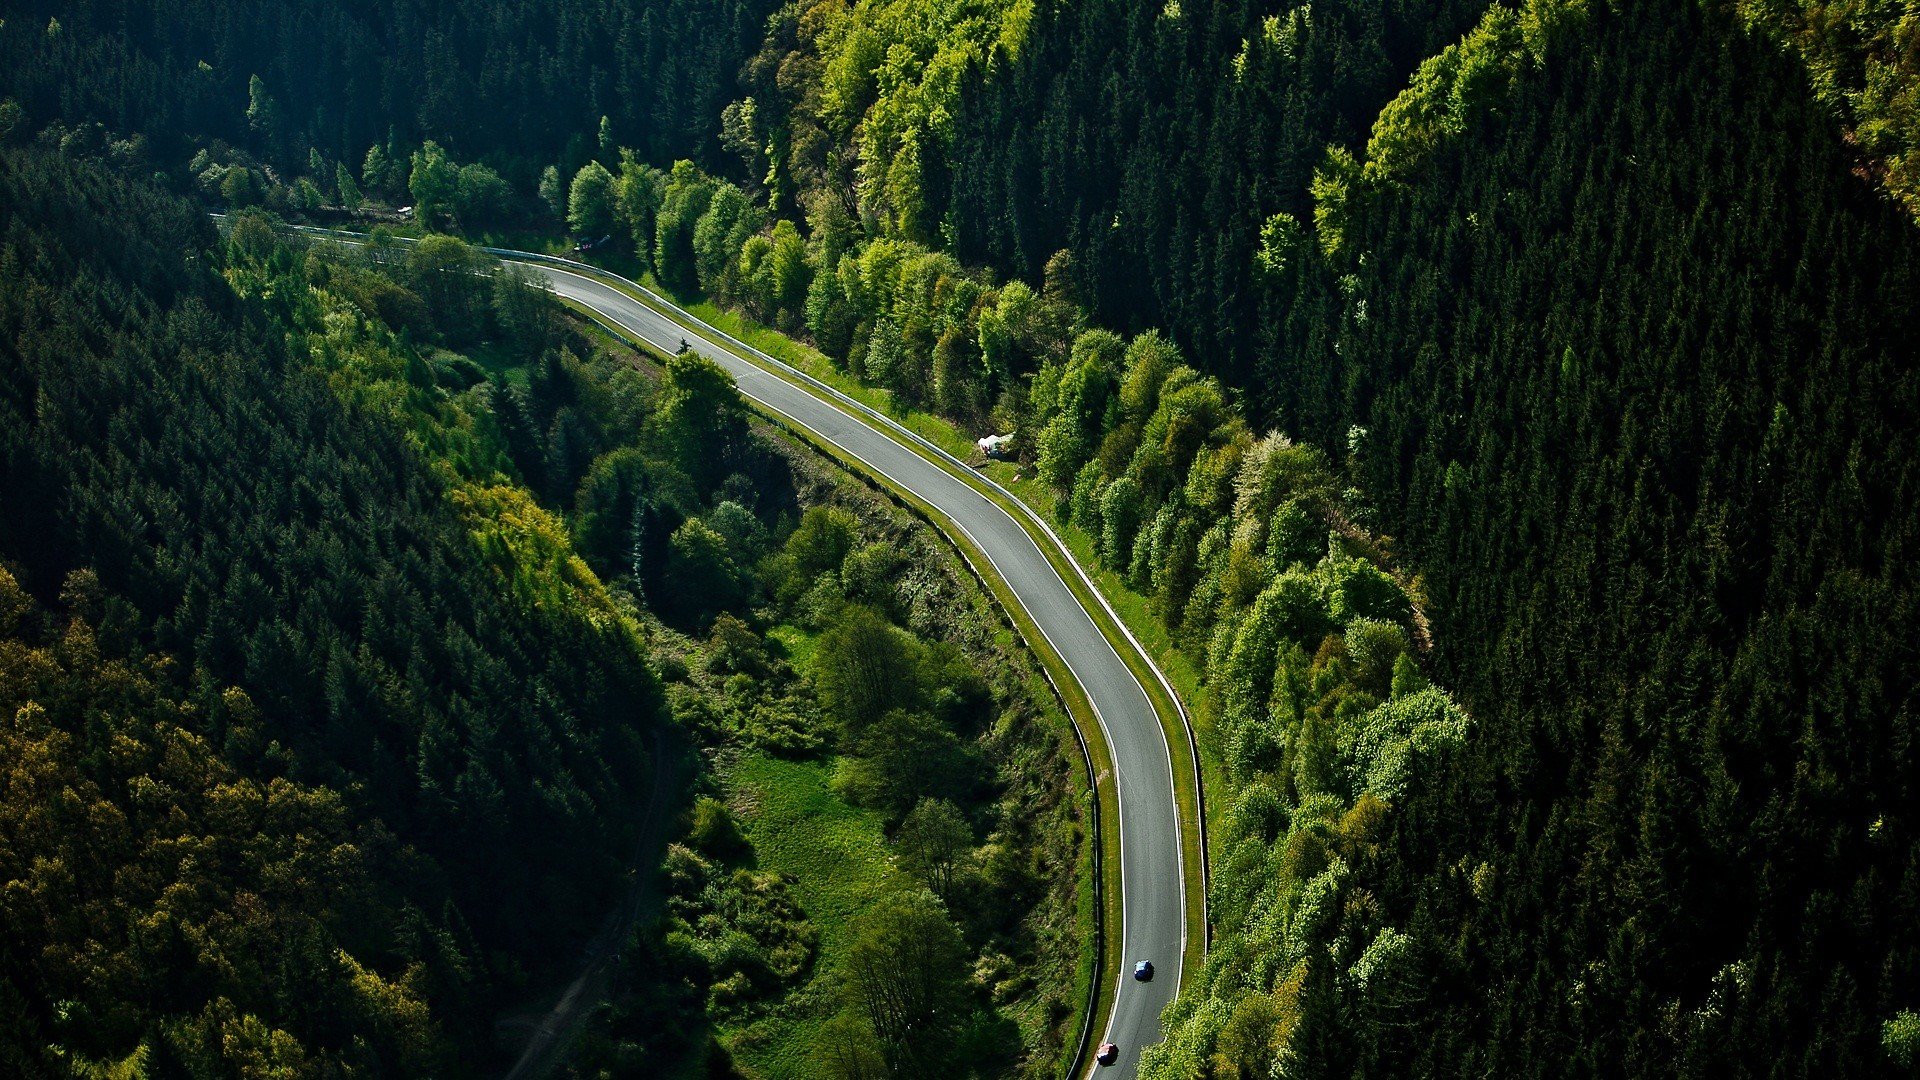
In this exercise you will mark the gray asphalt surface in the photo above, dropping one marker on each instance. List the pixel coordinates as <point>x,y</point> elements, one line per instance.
<point>1150,868</point>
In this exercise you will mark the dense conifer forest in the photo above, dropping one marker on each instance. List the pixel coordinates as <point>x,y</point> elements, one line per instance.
<point>519,85</point>
<point>1651,428</point>
<point>1509,409</point>
<point>282,589</point>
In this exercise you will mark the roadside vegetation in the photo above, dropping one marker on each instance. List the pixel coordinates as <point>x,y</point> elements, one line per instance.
<point>1590,316</point>
<point>1251,551</point>
<point>863,766</point>
<point>732,547</point>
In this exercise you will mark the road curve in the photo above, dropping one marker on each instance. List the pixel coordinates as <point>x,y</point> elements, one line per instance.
<point>1152,882</point>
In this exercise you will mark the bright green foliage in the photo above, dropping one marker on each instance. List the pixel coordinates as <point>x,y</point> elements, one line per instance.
<point>1900,1038</point>
<point>831,320</point>
<point>1076,413</point>
<point>774,275</point>
<point>1402,737</point>
<point>1295,536</point>
<point>1119,521</point>
<point>890,74</point>
<point>344,184</point>
<point>703,419</point>
<point>1376,648</point>
<point>906,981</point>
<point>713,831</point>
<point>379,170</point>
<point>788,275</point>
<point>607,144</point>
<point>1151,361</point>
<point>553,191</point>
<point>590,201</point>
<point>718,236</point>
<point>1450,91</point>
<point>1083,505</point>
<point>1283,244</point>
<point>263,113</point>
<point>683,202</point>
<point>895,313</point>
<point>1864,62</point>
<point>1407,678</point>
<point>754,278</point>
<point>481,196</point>
<point>530,549</point>
<point>1353,588</point>
<point>306,196</point>
<point>869,574</point>
<point>637,192</point>
<point>1289,610</point>
<point>434,181</point>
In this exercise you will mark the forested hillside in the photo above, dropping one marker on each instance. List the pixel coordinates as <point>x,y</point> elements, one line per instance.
<point>300,766</point>
<point>1253,550</point>
<point>1635,356</point>
<point>1150,140</point>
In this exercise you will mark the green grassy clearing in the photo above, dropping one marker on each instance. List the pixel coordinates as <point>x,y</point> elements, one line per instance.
<point>837,857</point>
<point>495,359</point>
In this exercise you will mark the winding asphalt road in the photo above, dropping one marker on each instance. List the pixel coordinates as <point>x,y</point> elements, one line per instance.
<point>1153,898</point>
